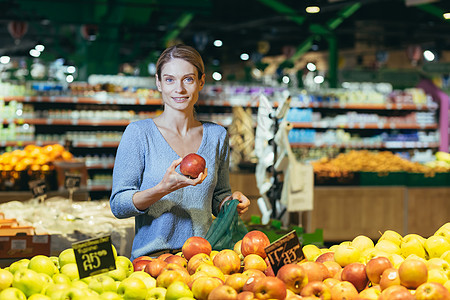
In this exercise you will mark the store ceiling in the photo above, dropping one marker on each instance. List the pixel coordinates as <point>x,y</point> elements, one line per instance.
<point>136,30</point>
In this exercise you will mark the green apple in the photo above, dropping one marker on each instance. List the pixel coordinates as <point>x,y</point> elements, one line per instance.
<point>126,263</point>
<point>132,288</point>
<point>412,245</point>
<point>66,256</point>
<point>6,279</point>
<point>346,254</point>
<point>149,281</point>
<point>392,236</point>
<point>178,289</point>
<point>55,260</point>
<point>71,270</point>
<point>43,264</point>
<point>72,293</point>
<point>362,242</point>
<point>110,296</point>
<point>186,298</point>
<point>436,245</point>
<point>157,293</point>
<point>12,293</point>
<point>103,283</point>
<point>119,274</point>
<point>61,278</point>
<point>114,250</point>
<point>28,281</point>
<point>388,246</point>
<point>23,263</point>
<point>39,297</point>
<point>79,284</point>
<point>52,290</point>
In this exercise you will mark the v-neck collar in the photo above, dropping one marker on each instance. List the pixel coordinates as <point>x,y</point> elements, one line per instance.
<point>170,147</point>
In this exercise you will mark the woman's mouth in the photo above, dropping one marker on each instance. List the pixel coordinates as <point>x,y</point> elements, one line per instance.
<point>180,99</point>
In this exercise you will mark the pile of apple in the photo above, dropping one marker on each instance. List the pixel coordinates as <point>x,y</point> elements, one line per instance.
<point>395,267</point>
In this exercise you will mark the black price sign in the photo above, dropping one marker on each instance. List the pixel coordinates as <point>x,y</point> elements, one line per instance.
<point>283,251</point>
<point>94,256</point>
<point>72,181</point>
<point>38,188</point>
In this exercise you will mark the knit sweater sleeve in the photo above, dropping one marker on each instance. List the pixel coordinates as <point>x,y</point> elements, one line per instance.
<point>127,173</point>
<point>222,189</point>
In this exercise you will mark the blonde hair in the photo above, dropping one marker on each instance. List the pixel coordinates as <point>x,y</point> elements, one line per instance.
<point>184,52</point>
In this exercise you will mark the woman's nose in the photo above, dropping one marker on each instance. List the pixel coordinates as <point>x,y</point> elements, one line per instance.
<point>180,87</point>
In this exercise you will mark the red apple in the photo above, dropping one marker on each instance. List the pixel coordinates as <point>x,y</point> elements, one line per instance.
<point>245,295</point>
<point>237,247</point>
<point>192,165</point>
<point>223,292</point>
<point>237,281</point>
<point>195,245</point>
<point>316,289</point>
<point>431,291</point>
<point>333,267</point>
<point>269,271</point>
<point>254,242</point>
<point>327,256</point>
<point>143,257</point>
<point>389,278</point>
<point>196,261</point>
<point>155,267</point>
<point>412,273</point>
<point>355,273</point>
<point>164,256</point>
<point>294,276</point>
<point>343,290</point>
<point>139,265</point>
<point>167,277</point>
<point>330,282</point>
<point>375,267</point>
<point>254,273</point>
<point>314,270</point>
<point>250,283</point>
<point>394,291</point>
<point>176,259</point>
<point>202,286</point>
<point>270,288</point>
<point>227,261</point>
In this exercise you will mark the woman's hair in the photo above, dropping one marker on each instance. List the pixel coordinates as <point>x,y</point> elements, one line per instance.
<point>183,52</point>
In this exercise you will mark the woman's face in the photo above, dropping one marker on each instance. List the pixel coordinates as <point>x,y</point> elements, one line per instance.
<point>179,84</point>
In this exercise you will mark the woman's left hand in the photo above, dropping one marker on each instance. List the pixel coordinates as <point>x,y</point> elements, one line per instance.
<point>244,203</point>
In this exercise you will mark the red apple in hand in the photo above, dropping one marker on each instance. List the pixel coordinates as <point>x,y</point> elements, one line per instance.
<point>192,165</point>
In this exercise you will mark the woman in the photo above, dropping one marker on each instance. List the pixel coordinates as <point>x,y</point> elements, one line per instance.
<point>169,207</point>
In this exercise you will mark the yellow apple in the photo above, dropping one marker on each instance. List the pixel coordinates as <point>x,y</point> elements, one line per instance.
<point>396,259</point>
<point>12,293</point>
<point>388,246</point>
<point>6,279</point>
<point>66,256</point>
<point>439,263</point>
<point>39,297</point>
<point>371,293</point>
<point>103,283</point>
<point>413,256</point>
<point>391,235</point>
<point>446,256</point>
<point>447,285</point>
<point>132,288</point>
<point>311,252</point>
<point>413,244</point>
<point>23,263</point>
<point>333,248</point>
<point>71,270</point>
<point>149,281</point>
<point>126,263</point>
<point>28,281</point>
<point>436,245</point>
<point>444,232</point>
<point>346,254</point>
<point>362,242</point>
<point>437,275</point>
<point>43,264</point>
<point>112,296</point>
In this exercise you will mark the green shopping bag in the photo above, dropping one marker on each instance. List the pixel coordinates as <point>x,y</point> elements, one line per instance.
<point>227,228</point>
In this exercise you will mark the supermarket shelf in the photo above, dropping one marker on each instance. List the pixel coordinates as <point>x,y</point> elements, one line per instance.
<point>85,100</point>
<point>99,188</point>
<point>364,125</point>
<point>97,144</point>
<point>383,145</point>
<point>100,166</point>
<point>365,106</point>
<point>71,122</point>
<point>25,143</point>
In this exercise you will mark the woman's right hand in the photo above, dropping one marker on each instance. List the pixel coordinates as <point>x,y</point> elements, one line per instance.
<point>173,180</point>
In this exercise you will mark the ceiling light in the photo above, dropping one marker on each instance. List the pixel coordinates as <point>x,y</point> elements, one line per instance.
<point>429,55</point>
<point>312,9</point>
<point>5,59</point>
<point>285,79</point>
<point>311,67</point>
<point>218,43</point>
<point>35,53</point>
<point>69,78</point>
<point>319,79</point>
<point>245,56</point>
<point>447,16</point>
<point>217,76</point>
<point>39,47</point>
<point>71,69</point>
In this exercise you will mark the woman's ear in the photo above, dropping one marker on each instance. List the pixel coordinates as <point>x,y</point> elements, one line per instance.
<point>202,82</point>
<point>158,82</point>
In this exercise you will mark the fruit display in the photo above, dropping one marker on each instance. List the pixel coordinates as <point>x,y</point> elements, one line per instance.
<point>393,267</point>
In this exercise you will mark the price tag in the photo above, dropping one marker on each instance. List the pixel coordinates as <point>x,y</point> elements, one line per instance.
<point>38,188</point>
<point>72,181</point>
<point>94,256</point>
<point>283,251</point>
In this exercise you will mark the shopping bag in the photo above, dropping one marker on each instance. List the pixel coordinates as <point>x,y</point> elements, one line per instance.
<point>227,228</point>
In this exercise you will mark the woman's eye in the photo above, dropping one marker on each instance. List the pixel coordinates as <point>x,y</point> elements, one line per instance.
<point>169,79</point>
